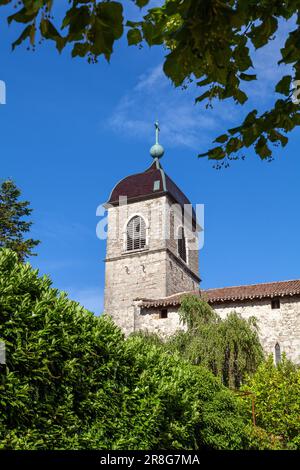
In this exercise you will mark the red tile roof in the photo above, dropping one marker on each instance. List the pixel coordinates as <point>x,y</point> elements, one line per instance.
<point>232,294</point>
<point>172,300</point>
<point>254,291</point>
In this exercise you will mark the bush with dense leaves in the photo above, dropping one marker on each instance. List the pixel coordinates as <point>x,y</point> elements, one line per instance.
<point>277,403</point>
<point>73,382</point>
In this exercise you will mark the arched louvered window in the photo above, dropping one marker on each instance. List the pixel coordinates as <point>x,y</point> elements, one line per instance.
<point>277,354</point>
<point>136,234</point>
<point>181,244</point>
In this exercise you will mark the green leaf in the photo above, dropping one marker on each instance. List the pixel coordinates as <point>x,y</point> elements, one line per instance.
<point>247,77</point>
<point>262,148</point>
<point>284,85</point>
<point>260,34</point>
<point>240,96</point>
<point>206,94</point>
<point>216,153</point>
<point>151,34</point>
<point>111,14</point>
<point>80,49</point>
<point>172,68</point>
<point>277,136</point>
<point>141,3</point>
<point>77,19</point>
<point>222,139</point>
<point>233,145</point>
<point>49,31</point>
<point>241,54</point>
<point>134,36</point>
<point>201,155</point>
<point>24,35</point>
<point>22,16</point>
<point>250,118</point>
<point>204,82</point>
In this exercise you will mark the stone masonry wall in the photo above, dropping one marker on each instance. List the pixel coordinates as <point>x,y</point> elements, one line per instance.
<point>275,325</point>
<point>149,320</point>
<point>149,273</point>
<point>151,210</point>
<point>175,221</point>
<point>138,275</point>
<point>129,275</point>
<point>178,278</point>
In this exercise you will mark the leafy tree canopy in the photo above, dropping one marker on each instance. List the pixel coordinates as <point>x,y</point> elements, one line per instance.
<point>208,42</point>
<point>73,382</point>
<point>230,348</point>
<point>12,223</point>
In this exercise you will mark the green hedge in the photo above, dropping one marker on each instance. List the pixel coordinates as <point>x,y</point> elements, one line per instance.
<point>72,381</point>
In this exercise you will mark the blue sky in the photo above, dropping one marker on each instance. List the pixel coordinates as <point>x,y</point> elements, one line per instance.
<point>70,131</point>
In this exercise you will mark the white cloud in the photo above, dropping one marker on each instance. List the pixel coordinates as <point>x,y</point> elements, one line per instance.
<point>182,123</point>
<point>151,81</point>
<point>265,61</point>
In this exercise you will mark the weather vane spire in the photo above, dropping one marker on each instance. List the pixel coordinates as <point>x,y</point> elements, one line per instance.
<point>157,150</point>
<point>157,130</point>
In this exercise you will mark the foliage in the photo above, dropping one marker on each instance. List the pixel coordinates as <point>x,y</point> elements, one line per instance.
<point>12,225</point>
<point>260,439</point>
<point>73,382</point>
<point>277,400</point>
<point>230,348</point>
<point>208,42</point>
<point>199,411</point>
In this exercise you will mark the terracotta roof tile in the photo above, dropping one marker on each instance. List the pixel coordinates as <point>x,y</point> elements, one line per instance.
<point>232,294</point>
<point>172,300</point>
<point>254,291</point>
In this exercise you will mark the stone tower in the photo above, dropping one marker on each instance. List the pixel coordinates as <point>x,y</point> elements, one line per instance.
<point>151,241</point>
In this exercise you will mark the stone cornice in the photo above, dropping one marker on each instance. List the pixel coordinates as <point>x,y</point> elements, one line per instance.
<point>158,250</point>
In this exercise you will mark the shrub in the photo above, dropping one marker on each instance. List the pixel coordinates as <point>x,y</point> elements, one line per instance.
<point>73,382</point>
<point>277,401</point>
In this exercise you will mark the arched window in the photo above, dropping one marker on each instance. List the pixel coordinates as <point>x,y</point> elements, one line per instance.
<point>181,244</point>
<point>136,234</point>
<point>277,354</point>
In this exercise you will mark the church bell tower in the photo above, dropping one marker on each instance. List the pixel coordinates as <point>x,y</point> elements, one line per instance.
<point>151,241</point>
